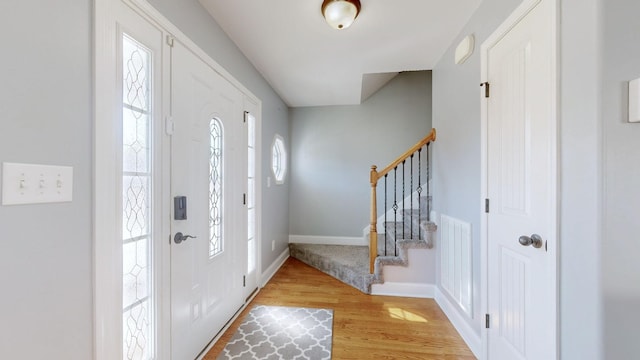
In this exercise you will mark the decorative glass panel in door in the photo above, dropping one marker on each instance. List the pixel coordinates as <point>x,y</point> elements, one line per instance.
<point>215,188</point>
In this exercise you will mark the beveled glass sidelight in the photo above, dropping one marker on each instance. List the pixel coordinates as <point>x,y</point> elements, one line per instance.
<point>137,304</point>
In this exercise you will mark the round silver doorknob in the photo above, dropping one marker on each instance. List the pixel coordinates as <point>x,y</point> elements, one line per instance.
<point>535,240</point>
<point>180,237</point>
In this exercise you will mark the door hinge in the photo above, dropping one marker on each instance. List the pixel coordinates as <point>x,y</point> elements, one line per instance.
<point>486,205</point>
<point>487,321</point>
<point>244,118</point>
<point>169,125</point>
<point>487,89</point>
<point>170,40</point>
<point>244,281</point>
<point>244,199</point>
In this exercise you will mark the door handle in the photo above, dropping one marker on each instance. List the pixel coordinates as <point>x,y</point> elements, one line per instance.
<point>180,237</point>
<point>535,240</point>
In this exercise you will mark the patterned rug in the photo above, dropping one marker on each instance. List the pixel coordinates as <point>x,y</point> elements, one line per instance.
<point>275,333</point>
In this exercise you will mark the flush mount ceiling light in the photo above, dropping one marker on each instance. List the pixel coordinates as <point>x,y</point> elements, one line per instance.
<point>340,14</point>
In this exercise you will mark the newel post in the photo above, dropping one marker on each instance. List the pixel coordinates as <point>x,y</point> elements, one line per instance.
<point>373,233</point>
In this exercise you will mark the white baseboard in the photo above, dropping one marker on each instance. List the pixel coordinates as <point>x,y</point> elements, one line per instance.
<point>327,240</point>
<point>462,326</point>
<point>274,267</point>
<point>426,291</point>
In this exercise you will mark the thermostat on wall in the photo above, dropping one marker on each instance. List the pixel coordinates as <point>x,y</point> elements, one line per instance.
<point>634,100</point>
<point>464,49</point>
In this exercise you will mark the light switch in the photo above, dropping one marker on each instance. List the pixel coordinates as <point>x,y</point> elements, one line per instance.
<point>34,184</point>
<point>634,100</point>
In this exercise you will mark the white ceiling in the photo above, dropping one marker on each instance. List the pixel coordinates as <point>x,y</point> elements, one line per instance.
<point>310,64</point>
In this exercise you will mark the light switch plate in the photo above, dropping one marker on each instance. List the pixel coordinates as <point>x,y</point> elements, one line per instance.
<point>35,184</point>
<point>634,100</point>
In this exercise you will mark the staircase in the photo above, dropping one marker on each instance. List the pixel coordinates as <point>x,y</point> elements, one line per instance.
<point>350,264</point>
<point>405,226</point>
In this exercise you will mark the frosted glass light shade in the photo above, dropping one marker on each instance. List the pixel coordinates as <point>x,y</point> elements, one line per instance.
<point>340,14</point>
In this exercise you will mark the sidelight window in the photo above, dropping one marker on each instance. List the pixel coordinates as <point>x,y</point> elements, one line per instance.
<point>136,201</point>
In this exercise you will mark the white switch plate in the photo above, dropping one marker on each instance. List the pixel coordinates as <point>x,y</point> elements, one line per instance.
<point>35,184</point>
<point>634,100</point>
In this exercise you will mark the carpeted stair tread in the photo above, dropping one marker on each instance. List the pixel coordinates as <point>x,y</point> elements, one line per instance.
<point>349,264</point>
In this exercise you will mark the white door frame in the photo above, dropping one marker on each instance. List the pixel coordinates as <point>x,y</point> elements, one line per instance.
<point>255,109</point>
<point>520,12</point>
<point>107,252</point>
<point>106,255</point>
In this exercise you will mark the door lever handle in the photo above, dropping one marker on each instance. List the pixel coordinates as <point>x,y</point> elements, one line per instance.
<point>179,237</point>
<point>535,240</point>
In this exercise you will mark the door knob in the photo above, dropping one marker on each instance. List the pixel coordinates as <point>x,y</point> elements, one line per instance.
<point>180,237</point>
<point>535,240</point>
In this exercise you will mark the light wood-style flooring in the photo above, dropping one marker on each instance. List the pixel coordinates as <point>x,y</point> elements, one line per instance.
<point>364,326</point>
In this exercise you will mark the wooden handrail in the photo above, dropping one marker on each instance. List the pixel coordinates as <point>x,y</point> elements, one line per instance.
<point>374,176</point>
<point>405,156</point>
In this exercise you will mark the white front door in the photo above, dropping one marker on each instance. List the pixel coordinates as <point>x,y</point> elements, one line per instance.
<point>521,182</point>
<point>208,177</point>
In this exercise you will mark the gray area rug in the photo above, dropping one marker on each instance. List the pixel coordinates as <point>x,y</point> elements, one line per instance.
<point>276,332</point>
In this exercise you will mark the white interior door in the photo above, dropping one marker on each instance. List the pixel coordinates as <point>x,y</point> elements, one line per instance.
<point>521,183</point>
<point>208,167</point>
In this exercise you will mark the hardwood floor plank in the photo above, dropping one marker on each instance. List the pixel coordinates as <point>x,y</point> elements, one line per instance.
<point>364,326</point>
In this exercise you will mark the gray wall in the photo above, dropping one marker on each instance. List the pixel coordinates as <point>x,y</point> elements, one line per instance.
<point>192,19</point>
<point>620,246</point>
<point>580,180</point>
<point>46,118</point>
<point>456,114</point>
<point>333,148</point>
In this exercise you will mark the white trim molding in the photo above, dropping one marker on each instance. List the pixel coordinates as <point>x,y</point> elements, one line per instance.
<point>327,240</point>
<point>107,256</point>
<point>413,290</point>
<point>274,267</point>
<point>470,337</point>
